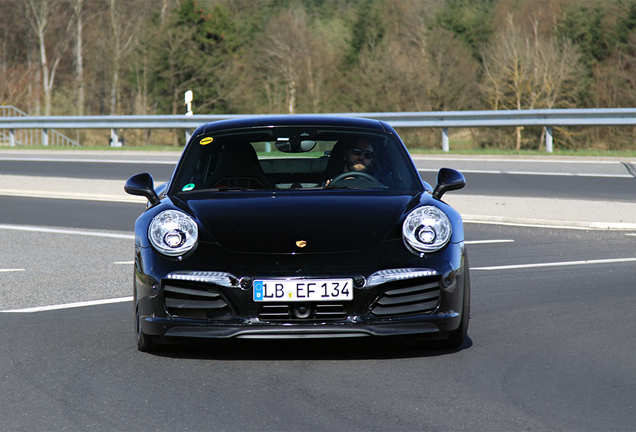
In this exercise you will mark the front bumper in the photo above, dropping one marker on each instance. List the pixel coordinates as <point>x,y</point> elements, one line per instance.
<point>427,304</point>
<point>420,296</point>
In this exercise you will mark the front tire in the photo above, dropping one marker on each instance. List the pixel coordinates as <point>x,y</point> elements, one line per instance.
<point>144,341</point>
<point>456,337</point>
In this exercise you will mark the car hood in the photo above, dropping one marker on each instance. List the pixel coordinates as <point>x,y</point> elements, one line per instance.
<point>296,223</point>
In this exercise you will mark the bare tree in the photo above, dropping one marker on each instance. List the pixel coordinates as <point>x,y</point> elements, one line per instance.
<point>297,58</point>
<point>16,72</point>
<point>84,11</point>
<point>412,67</point>
<point>529,71</point>
<point>286,44</point>
<point>41,14</point>
<point>451,73</point>
<point>15,85</point>
<point>123,23</point>
<point>79,12</point>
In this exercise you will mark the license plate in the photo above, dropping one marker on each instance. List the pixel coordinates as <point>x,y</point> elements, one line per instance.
<point>296,290</point>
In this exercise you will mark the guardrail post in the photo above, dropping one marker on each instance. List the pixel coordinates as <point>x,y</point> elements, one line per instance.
<point>114,139</point>
<point>12,137</point>
<point>445,141</point>
<point>548,139</point>
<point>45,137</point>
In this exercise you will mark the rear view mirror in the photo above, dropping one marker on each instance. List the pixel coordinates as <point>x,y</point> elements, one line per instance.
<point>307,145</point>
<point>295,144</point>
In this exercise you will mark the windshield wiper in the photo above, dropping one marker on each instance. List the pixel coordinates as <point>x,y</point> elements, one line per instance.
<point>340,187</point>
<point>231,188</point>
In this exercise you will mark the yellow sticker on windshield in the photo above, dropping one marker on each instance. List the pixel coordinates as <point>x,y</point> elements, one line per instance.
<point>206,141</point>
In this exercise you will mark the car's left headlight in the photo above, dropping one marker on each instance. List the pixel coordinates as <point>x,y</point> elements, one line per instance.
<point>427,229</point>
<point>173,233</point>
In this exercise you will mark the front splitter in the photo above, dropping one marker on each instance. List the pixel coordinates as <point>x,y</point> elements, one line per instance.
<point>301,331</point>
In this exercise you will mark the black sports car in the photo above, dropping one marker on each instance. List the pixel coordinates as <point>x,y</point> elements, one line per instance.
<point>296,227</point>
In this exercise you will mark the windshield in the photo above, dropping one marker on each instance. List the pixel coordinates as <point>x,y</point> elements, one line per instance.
<point>291,158</point>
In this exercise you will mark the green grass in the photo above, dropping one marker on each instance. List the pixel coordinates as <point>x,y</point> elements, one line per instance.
<point>503,152</point>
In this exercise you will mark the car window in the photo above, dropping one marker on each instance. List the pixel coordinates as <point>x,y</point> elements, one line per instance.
<point>295,159</point>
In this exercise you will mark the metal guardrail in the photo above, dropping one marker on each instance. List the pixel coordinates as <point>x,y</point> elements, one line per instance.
<point>443,120</point>
<point>26,136</point>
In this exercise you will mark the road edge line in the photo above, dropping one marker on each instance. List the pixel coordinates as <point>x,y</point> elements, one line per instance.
<point>69,305</point>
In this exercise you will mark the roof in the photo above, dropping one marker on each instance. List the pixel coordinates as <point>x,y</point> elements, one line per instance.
<point>295,120</point>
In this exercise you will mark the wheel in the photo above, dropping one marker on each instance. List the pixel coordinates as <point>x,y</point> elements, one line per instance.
<point>144,341</point>
<point>356,174</point>
<point>456,337</point>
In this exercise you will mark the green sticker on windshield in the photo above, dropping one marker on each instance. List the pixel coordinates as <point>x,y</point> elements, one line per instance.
<point>188,187</point>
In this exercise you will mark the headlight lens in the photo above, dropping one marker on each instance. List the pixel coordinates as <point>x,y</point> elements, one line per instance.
<point>173,233</point>
<point>427,229</point>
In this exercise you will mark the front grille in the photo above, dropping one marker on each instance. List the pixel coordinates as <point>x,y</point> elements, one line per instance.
<point>408,300</point>
<point>317,312</point>
<point>196,302</point>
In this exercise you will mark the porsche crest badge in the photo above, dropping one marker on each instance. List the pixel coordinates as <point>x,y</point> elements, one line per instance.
<point>301,243</point>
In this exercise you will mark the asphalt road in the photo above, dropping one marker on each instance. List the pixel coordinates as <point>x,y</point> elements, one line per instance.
<point>551,346</point>
<point>115,165</point>
<point>540,177</point>
<point>79,214</point>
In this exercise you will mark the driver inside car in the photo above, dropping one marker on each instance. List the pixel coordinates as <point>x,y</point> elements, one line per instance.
<point>358,157</point>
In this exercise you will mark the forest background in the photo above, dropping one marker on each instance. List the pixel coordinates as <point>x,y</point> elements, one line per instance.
<point>138,57</point>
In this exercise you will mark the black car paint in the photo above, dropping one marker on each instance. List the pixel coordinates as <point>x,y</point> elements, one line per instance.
<point>233,241</point>
<point>273,222</point>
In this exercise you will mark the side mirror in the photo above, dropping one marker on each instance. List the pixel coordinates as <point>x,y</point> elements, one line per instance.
<point>142,184</point>
<point>447,180</point>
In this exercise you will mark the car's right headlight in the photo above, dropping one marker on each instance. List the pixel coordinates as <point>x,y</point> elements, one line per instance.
<point>173,233</point>
<point>427,229</point>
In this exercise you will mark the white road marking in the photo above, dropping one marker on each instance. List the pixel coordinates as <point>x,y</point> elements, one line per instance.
<point>518,224</point>
<point>72,196</point>
<point>552,174</point>
<point>556,264</point>
<point>69,305</point>
<point>67,231</point>
<point>473,242</point>
<point>124,262</point>
<point>11,270</point>
<point>545,223</point>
